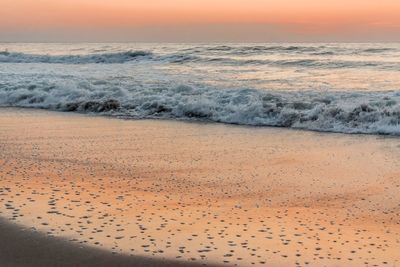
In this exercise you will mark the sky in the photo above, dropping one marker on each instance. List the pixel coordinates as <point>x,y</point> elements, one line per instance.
<point>200,20</point>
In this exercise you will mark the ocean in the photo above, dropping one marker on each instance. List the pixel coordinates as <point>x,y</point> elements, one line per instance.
<point>332,87</point>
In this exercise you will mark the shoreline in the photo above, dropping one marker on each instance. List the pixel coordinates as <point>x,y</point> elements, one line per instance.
<point>200,121</point>
<point>202,193</point>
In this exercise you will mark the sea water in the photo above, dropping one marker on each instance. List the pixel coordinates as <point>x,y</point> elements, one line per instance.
<point>349,88</point>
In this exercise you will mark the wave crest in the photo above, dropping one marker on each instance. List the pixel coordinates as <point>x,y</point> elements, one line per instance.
<point>346,112</point>
<point>105,58</point>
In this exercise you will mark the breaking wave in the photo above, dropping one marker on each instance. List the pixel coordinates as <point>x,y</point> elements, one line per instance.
<point>310,57</point>
<point>322,87</point>
<point>106,58</point>
<point>345,112</point>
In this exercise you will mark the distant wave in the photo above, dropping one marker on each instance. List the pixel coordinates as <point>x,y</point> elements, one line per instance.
<point>305,63</point>
<point>105,58</point>
<point>345,112</point>
<point>309,57</point>
<point>294,49</point>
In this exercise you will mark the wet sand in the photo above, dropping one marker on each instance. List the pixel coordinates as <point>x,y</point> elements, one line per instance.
<point>202,193</point>
<point>22,246</point>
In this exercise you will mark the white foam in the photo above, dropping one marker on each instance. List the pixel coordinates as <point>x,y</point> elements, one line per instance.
<point>349,88</point>
<point>361,112</point>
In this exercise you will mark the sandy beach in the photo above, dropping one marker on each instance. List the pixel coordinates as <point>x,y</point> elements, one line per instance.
<point>27,247</point>
<point>197,193</point>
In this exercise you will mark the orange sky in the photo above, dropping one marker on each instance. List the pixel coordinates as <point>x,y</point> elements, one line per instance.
<point>309,18</point>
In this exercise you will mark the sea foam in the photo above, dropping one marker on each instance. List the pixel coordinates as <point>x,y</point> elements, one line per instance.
<point>348,88</point>
<point>346,112</point>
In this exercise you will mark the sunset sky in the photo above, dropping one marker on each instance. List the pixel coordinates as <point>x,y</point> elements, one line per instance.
<point>200,20</point>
